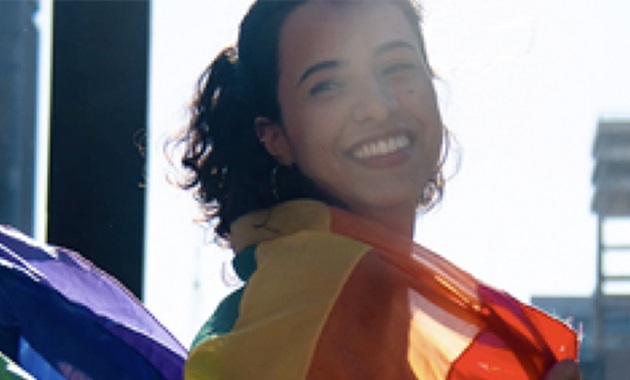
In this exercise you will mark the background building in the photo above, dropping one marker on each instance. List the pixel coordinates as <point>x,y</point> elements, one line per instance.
<point>604,318</point>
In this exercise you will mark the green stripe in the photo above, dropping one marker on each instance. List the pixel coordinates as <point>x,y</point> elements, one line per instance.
<point>222,320</point>
<point>244,263</point>
<point>11,371</point>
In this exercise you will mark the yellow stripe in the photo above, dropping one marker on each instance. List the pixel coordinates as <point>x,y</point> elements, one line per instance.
<point>285,219</point>
<point>283,310</point>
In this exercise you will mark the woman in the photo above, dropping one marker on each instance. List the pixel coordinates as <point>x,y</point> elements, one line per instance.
<point>312,146</point>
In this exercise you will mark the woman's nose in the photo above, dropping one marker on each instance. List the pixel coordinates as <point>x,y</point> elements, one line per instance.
<point>374,102</point>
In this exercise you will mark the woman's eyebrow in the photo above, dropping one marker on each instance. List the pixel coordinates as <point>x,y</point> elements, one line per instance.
<point>333,64</point>
<point>319,66</point>
<point>392,45</point>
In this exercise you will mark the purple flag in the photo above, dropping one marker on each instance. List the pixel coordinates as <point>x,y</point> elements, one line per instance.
<point>63,317</point>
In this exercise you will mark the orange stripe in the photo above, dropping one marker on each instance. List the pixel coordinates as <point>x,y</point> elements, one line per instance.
<point>441,282</point>
<point>380,329</point>
<point>366,334</point>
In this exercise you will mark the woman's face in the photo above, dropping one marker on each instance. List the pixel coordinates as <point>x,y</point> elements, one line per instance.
<point>359,113</point>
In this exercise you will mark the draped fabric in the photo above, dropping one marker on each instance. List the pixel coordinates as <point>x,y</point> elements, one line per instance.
<point>62,318</point>
<point>329,295</point>
<point>11,371</point>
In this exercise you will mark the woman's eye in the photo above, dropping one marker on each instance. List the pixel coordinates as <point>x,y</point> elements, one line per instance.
<point>325,87</point>
<point>398,68</point>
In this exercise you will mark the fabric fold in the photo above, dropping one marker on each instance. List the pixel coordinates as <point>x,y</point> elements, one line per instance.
<point>77,321</point>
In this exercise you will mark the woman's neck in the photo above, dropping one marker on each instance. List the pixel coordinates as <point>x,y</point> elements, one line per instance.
<point>399,219</point>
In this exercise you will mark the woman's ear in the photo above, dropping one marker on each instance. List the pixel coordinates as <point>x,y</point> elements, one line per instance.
<point>274,139</point>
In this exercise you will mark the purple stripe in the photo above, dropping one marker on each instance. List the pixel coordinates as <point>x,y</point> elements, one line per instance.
<point>77,280</point>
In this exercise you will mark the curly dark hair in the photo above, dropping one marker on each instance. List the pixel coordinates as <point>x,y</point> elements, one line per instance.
<point>229,169</point>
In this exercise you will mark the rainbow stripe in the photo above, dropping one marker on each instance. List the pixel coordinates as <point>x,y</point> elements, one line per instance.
<point>11,371</point>
<point>63,318</point>
<point>329,295</point>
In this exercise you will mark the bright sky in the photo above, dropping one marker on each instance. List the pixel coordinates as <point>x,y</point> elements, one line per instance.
<point>523,84</point>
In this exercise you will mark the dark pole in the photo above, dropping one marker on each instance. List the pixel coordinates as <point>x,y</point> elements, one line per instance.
<point>98,117</point>
<point>18,58</point>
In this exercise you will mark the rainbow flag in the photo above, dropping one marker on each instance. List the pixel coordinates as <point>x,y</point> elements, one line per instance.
<point>329,295</point>
<point>63,318</point>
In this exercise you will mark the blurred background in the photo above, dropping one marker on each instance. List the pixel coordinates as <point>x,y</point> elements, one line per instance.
<point>536,92</point>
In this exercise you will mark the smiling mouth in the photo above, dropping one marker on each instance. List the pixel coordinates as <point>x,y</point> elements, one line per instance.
<point>381,147</point>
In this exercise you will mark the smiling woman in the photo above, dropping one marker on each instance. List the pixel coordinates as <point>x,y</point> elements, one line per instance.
<point>358,113</point>
<point>313,100</point>
<point>313,143</point>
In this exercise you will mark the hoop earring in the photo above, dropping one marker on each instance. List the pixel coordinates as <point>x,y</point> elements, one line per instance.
<point>428,193</point>
<point>431,192</point>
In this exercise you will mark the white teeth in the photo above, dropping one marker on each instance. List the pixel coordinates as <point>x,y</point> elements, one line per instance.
<point>381,147</point>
